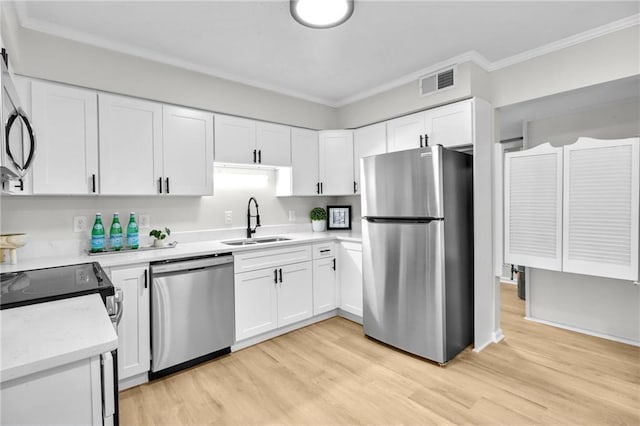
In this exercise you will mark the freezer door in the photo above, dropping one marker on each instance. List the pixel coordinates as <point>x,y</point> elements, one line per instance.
<point>403,184</point>
<point>403,278</point>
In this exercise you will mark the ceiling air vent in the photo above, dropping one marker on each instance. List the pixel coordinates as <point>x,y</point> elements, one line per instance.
<point>440,80</point>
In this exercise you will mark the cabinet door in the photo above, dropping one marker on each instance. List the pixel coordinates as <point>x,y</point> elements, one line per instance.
<point>256,302</point>
<point>187,151</point>
<point>405,132</point>
<point>350,277</point>
<point>304,162</point>
<point>336,162</point>
<point>369,140</point>
<point>295,293</point>
<point>533,207</point>
<point>324,285</point>
<point>235,140</point>
<point>274,144</point>
<point>601,210</point>
<point>130,145</point>
<point>67,131</point>
<point>133,331</point>
<point>450,125</point>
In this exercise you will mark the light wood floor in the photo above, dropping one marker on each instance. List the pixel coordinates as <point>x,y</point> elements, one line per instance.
<point>329,373</point>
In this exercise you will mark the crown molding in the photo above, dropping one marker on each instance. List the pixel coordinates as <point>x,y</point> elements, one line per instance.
<point>582,37</point>
<point>471,56</point>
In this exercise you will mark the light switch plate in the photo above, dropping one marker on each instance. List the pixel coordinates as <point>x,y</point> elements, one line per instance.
<point>144,221</point>
<point>228,217</point>
<point>292,215</point>
<point>79,223</point>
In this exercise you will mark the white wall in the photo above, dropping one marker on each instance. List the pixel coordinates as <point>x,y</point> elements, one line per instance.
<point>52,58</point>
<point>406,98</point>
<point>596,305</point>
<point>610,57</point>
<point>51,218</point>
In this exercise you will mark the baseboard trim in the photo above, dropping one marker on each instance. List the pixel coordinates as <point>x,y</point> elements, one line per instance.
<point>130,382</point>
<point>280,331</point>
<point>498,336</point>
<point>585,331</point>
<point>348,315</point>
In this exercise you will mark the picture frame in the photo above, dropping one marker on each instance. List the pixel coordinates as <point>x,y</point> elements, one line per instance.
<point>338,218</point>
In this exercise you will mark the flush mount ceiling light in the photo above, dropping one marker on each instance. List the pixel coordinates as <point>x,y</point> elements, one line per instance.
<point>321,13</point>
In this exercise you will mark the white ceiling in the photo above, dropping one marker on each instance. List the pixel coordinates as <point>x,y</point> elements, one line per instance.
<point>257,42</point>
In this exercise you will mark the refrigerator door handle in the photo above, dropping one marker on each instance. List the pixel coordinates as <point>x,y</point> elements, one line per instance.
<point>401,219</point>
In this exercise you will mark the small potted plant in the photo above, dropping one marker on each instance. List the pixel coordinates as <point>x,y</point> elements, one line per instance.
<point>159,236</point>
<point>318,217</point>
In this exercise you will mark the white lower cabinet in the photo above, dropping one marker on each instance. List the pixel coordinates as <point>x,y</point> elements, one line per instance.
<point>256,299</point>
<point>350,277</point>
<point>69,394</point>
<point>277,294</point>
<point>324,285</point>
<point>133,331</point>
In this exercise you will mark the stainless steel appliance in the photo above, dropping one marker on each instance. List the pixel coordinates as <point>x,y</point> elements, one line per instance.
<point>192,312</point>
<point>63,282</point>
<point>17,136</point>
<point>417,235</point>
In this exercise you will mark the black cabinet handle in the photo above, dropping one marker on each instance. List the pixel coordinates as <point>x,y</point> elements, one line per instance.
<point>254,155</point>
<point>426,140</point>
<point>146,282</point>
<point>93,183</point>
<point>167,181</point>
<point>318,188</point>
<point>355,187</point>
<point>260,156</point>
<point>321,188</point>
<point>334,263</point>
<point>280,274</point>
<point>325,250</point>
<point>160,184</point>
<point>275,276</point>
<point>21,185</point>
<point>420,141</point>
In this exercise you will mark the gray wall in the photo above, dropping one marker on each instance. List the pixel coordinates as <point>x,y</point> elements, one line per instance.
<point>598,305</point>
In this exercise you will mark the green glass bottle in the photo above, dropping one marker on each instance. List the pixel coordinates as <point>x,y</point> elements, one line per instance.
<point>132,232</point>
<point>115,233</point>
<point>97,235</point>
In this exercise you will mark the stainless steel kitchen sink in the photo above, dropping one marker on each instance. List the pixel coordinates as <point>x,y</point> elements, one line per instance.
<point>253,241</point>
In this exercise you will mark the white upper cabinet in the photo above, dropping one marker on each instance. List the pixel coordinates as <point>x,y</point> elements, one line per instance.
<point>187,151</point>
<point>66,122</point>
<point>273,142</point>
<point>369,140</point>
<point>130,146</point>
<point>235,140</point>
<point>533,207</point>
<point>244,141</point>
<point>406,132</point>
<point>601,208</point>
<point>336,162</point>
<point>304,162</point>
<point>450,125</point>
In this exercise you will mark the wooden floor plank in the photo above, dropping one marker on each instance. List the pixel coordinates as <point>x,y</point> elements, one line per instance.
<point>330,373</point>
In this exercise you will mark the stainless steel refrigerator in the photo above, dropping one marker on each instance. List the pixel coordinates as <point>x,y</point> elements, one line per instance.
<point>417,235</point>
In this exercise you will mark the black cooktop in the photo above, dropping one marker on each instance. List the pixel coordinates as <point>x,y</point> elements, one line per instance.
<point>44,285</point>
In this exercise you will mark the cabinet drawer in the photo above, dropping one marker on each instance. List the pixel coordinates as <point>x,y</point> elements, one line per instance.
<point>259,259</point>
<point>323,250</point>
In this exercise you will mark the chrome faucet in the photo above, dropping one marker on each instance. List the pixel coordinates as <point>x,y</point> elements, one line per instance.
<point>257,216</point>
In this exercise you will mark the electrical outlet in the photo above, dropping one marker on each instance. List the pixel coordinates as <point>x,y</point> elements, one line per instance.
<point>292,215</point>
<point>228,217</point>
<point>144,221</point>
<point>79,223</point>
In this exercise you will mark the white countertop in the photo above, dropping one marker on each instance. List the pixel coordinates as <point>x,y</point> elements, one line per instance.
<point>181,250</point>
<point>38,337</point>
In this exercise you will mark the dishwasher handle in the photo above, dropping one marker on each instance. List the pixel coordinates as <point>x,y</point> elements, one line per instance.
<point>190,264</point>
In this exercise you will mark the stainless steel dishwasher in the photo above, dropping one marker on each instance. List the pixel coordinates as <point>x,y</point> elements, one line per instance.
<point>192,312</point>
